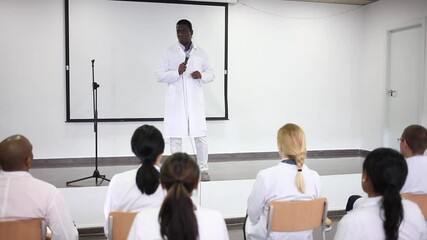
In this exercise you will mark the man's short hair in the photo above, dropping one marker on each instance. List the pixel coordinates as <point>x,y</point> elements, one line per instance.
<point>187,23</point>
<point>416,138</point>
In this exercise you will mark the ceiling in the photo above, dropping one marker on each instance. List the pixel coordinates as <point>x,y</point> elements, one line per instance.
<point>354,2</point>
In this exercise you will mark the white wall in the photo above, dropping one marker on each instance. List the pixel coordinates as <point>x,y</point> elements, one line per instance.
<point>301,66</point>
<point>380,17</point>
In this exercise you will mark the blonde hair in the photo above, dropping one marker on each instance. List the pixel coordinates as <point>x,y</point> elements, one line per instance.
<point>291,139</point>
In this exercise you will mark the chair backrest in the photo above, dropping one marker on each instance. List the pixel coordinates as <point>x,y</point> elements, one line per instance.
<point>23,229</point>
<point>291,216</point>
<point>420,199</point>
<point>119,224</point>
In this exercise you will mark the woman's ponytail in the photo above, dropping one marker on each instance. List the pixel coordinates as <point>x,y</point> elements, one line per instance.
<point>299,179</point>
<point>147,144</point>
<point>393,213</point>
<point>387,170</point>
<point>179,175</point>
<point>291,139</point>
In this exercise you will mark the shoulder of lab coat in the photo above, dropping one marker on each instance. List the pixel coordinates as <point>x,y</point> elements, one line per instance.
<point>208,74</point>
<point>167,70</point>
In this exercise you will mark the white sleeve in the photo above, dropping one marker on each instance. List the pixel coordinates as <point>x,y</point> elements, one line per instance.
<point>133,232</point>
<point>208,74</point>
<point>345,230</point>
<point>59,220</point>
<point>318,186</point>
<point>256,200</point>
<point>108,204</point>
<point>222,228</point>
<point>164,72</point>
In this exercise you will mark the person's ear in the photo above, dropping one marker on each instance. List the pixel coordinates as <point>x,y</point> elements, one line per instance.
<point>282,155</point>
<point>408,152</point>
<point>28,162</point>
<point>367,184</point>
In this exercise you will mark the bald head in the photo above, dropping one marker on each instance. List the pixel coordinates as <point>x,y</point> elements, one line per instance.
<point>16,153</point>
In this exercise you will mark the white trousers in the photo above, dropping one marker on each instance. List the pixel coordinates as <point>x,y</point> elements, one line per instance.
<point>201,149</point>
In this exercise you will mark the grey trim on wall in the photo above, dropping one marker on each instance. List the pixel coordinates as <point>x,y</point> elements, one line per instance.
<point>221,157</point>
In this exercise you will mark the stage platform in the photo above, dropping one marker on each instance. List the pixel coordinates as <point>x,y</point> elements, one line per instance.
<point>227,192</point>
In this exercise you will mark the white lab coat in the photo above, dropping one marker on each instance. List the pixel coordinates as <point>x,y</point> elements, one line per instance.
<point>416,181</point>
<point>124,195</point>
<point>185,106</point>
<point>210,222</point>
<point>22,196</point>
<point>365,222</point>
<point>278,184</point>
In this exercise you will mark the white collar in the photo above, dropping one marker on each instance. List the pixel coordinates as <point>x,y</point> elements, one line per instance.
<point>16,173</point>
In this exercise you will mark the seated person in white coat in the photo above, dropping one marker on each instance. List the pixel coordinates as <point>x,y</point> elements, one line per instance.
<point>384,214</point>
<point>185,67</point>
<point>413,144</point>
<point>290,180</point>
<point>22,196</point>
<point>179,218</point>
<point>139,188</point>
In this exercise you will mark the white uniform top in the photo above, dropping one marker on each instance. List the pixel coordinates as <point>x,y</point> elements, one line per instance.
<point>365,222</point>
<point>124,195</point>
<point>278,183</point>
<point>22,196</point>
<point>416,181</point>
<point>185,105</point>
<point>146,225</point>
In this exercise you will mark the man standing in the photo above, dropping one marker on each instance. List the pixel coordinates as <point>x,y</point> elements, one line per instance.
<point>185,68</point>
<point>22,196</point>
<point>413,144</point>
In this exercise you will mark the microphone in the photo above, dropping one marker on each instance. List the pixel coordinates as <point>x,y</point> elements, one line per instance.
<point>187,56</point>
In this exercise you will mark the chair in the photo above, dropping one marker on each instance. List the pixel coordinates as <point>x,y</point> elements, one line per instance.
<point>119,224</point>
<point>420,200</point>
<point>290,216</point>
<point>23,229</point>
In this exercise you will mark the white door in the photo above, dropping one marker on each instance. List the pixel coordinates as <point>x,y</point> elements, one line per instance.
<point>406,49</point>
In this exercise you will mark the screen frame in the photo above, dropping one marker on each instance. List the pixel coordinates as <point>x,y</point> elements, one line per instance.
<point>67,65</point>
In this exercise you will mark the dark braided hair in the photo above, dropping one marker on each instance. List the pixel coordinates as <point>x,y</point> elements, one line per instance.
<point>387,170</point>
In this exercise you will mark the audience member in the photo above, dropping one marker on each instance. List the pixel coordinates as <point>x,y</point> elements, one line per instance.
<point>413,144</point>
<point>139,188</point>
<point>179,218</point>
<point>22,196</point>
<point>383,215</point>
<point>290,180</point>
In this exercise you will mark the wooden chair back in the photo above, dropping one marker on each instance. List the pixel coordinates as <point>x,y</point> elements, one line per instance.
<point>291,216</point>
<point>23,229</point>
<point>119,224</point>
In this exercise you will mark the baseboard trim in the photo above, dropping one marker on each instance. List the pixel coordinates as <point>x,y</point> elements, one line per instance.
<point>217,157</point>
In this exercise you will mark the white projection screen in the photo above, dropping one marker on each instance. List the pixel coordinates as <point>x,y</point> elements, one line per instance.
<point>127,39</point>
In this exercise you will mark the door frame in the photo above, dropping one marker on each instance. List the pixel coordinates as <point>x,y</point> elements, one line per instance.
<point>422,91</point>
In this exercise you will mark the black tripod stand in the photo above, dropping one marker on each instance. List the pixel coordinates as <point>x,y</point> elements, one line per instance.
<point>96,173</point>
